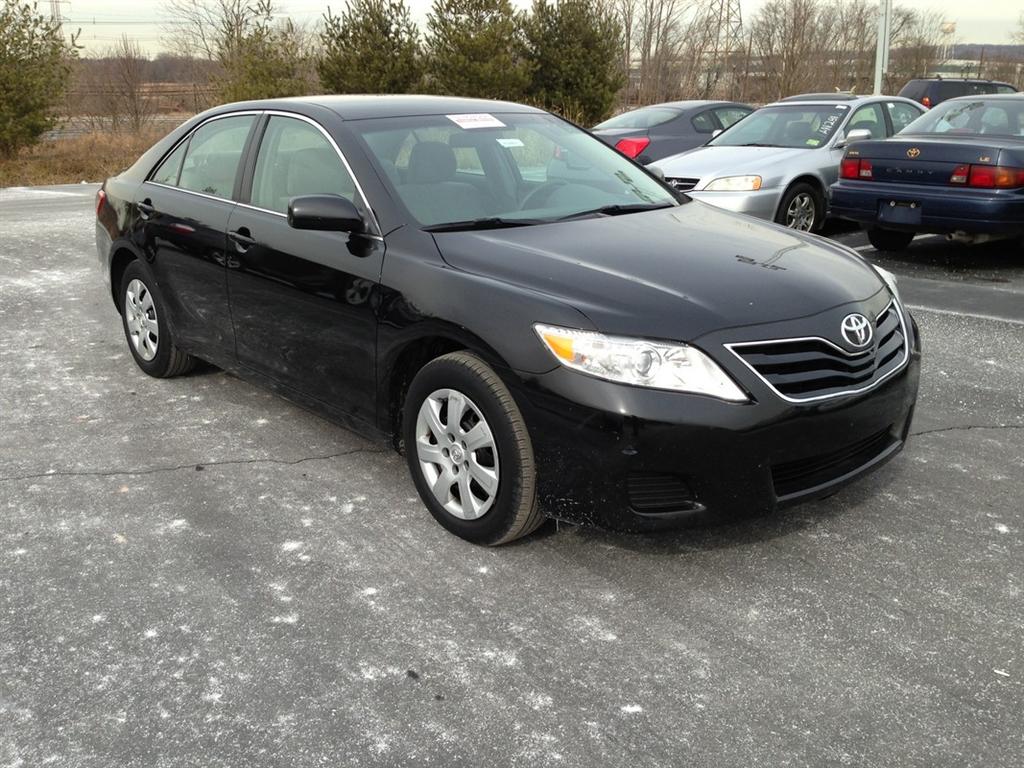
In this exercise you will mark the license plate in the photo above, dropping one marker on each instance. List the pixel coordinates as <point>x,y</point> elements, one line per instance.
<point>899,212</point>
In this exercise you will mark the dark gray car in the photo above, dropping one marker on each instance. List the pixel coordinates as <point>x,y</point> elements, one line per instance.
<point>651,133</point>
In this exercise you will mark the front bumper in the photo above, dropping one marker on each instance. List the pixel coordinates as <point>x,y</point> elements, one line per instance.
<point>761,204</point>
<point>942,210</point>
<point>633,459</point>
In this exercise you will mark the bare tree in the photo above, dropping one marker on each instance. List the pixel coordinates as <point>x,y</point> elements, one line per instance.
<point>129,69</point>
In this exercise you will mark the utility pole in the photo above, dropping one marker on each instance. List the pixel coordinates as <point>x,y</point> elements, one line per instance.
<point>727,23</point>
<point>882,49</point>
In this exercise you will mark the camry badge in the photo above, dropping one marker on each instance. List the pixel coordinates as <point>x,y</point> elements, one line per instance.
<point>856,330</point>
<point>913,152</point>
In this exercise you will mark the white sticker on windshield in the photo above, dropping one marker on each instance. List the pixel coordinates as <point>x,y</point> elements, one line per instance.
<point>511,143</point>
<point>481,120</point>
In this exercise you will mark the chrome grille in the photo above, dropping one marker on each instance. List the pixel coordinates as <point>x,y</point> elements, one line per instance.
<point>804,369</point>
<point>682,184</point>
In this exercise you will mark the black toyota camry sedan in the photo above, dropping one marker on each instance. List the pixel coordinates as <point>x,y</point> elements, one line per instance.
<point>541,325</point>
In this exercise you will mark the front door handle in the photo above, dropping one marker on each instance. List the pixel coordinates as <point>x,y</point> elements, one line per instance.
<point>242,239</point>
<point>145,208</point>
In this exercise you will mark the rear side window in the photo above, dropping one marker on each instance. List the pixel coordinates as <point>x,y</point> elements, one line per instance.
<point>901,115</point>
<point>640,118</point>
<point>211,163</point>
<point>915,90</point>
<point>169,169</point>
<point>1003,88</point>
<point>729,115</point>
<point>704,122</point>
<point>296,159</point>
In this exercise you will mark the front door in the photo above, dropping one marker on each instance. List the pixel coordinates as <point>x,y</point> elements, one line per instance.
<point>303,303</point>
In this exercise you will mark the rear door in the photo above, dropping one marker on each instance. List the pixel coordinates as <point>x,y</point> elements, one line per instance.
<point>304,302</point>
<point>185,205</point>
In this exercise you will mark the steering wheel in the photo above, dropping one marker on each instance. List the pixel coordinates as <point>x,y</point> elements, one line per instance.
<point>541,194</point>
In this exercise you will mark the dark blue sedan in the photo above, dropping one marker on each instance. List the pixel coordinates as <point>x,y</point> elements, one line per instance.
<point>956,170</point>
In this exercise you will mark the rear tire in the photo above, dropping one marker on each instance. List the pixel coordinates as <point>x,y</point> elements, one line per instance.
<point>889,239</point>
<point>146,329</point>
<point>473,470</point>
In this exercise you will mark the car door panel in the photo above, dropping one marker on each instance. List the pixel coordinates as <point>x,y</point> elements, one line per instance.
<point>303,302</point>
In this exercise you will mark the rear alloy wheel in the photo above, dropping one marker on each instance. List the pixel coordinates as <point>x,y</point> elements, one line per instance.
<point>468,451</point>
<point>889,239</point>
<point>802,208</point>
<point>145,326</point>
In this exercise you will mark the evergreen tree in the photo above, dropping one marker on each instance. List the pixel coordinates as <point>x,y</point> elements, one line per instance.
<point>475,48</point>
<point>575,47</point>
<point>35,68</point>
<point>260,59</point>
<point>373,47</point>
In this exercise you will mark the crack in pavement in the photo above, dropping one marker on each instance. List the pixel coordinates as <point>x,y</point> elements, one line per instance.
<point>966,428</point>
<point>191,465</point>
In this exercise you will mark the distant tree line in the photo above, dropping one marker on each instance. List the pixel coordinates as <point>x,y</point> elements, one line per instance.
<point>584,59</point>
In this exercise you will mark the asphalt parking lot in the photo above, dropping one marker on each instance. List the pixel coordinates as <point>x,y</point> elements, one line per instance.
<point>194,572</point>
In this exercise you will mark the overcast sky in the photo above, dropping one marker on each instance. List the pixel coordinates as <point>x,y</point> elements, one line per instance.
<point>103,21</point>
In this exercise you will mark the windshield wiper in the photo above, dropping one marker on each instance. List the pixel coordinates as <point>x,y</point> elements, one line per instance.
<point>754,144</point>
<point>617,209</point>
<point>487,222</point>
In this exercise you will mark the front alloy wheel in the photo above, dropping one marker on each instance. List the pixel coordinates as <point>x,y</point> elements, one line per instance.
<point>802,208</point>
<point>469,451</point>
<point>457,454</point>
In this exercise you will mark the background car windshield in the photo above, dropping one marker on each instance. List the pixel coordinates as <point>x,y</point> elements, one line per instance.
<point>998,117</point>
<point>801,125</point>
<point>510,166</point>
<point>640,118</point>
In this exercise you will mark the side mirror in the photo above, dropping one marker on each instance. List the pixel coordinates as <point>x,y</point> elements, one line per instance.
<point>326,213</point>
<point>656,170</point>
<point>858,134</point>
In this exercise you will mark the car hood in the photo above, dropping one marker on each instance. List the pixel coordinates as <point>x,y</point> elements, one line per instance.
<point>675,273</point>
<point>711,162</point>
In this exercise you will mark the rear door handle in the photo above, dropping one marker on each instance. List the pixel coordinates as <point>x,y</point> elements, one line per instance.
<point>242,239</point>
<point>145,208</point>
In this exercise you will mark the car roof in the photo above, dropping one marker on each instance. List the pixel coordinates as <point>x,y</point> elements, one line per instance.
<point>364,106</point>
<point>957,80</point>
<point>687,104</point>
<point>836,98</point>
<point>988,97</point>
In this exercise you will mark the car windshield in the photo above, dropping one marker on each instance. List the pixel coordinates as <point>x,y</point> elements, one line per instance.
<point>640,118</point>
<point>509,169</point>
<point>785,125</point>
<point>972,117</point>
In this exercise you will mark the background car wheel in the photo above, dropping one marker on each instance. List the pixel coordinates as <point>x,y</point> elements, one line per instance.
<point>144,318</point>
<point>469,452</point>
<point>889,239</point>
<point>802,208</point>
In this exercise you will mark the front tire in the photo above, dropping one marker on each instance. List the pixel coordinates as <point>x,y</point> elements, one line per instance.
<point>802,208</point>
<point>144,319</point>
<point>889,239</point>
<point>469,452</point>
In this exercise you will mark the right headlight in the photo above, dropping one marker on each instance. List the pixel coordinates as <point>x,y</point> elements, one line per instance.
<point>734,184</point>
<point>642,363</point>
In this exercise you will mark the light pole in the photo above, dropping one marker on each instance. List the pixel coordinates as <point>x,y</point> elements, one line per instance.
<point>882,49</point>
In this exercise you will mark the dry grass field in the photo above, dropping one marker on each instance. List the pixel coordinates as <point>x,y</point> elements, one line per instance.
<point>89,157</point>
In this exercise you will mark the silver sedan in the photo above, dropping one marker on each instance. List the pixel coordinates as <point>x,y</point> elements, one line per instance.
<point>778,162</point>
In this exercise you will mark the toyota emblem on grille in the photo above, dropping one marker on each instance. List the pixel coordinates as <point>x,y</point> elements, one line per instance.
<point>856,330</point>
<point>913,152</point>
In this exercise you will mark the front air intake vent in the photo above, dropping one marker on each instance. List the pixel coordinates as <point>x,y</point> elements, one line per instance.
<point>653,493</point>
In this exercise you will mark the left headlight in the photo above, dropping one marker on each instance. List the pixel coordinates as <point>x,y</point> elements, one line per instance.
<point>642,363</point>
<point>734,184</point>
<point>890,281</point>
